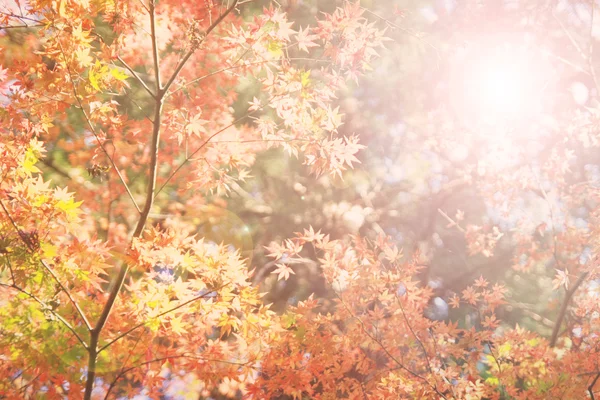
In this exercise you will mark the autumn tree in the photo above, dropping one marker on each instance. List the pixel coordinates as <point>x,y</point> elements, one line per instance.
<point>128,104</point>
<point>164,164</point>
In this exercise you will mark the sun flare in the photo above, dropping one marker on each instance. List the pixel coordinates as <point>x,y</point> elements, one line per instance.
<point>497,85</point>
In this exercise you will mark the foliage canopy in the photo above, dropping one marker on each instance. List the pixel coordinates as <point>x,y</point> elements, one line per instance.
<point>180,216</point>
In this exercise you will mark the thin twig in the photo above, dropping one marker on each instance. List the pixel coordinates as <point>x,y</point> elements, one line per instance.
<point>570,37</point>
<point>165,358</point>
<point>590,55</point>
<point>385,350</point>
<point>144,6</point>
<point>407,31</point>
<point>127,332</point>
<point>137,77</point>
<point>207,141</point>
<point>591,386</point>
<point>192,50</point>
<point>21,26</point>
<point>48,308</point>
<point>93,130</point>
<point>415,336</point>
<point>551,211</point>
<point>234,66</point>
<point>46,267</point>
<point>451,221</point>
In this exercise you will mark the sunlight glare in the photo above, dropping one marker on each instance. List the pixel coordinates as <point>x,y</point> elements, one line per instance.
<point>503,88</point>
<point>497,85</point>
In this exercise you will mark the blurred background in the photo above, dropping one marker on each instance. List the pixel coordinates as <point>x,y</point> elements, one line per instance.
<point>481,126</point>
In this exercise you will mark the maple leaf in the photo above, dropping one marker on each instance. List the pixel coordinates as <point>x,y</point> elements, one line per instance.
<point>310,235</point>
<point>470,295</point>
<point>255,104</point>
<point>276,250</point>
<point>561,278</point>
<point>305,39</point>
<point>490,322</point>
<point>177,326</point>
<point>392,254</point>
<point>333,120</point>
<point>481,282</point>
<point>283,271</point>
<point>195,125</point>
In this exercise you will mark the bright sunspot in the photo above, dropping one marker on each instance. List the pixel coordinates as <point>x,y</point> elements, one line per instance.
<point>496,85</point>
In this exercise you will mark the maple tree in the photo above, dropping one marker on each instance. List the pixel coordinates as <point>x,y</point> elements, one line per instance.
<point>125,126</point>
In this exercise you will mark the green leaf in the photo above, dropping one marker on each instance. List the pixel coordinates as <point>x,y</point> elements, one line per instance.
<point>288,320</point>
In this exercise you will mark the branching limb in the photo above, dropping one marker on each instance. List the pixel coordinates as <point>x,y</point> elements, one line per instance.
<point>149,201</point>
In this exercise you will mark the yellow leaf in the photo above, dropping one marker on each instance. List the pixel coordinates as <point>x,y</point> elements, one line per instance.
<point>492,380</point>
<point>29,162</point>
<point>62,8</point>
<point>177,326</point>
<point>118,74</point>
<point>96,75</point>
<point>48,250</point>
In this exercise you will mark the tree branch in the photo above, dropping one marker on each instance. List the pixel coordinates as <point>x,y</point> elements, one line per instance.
<point>564,307</point>
<point>136,76</point>
<point>155,47</point>
<point>153,171</point>
<point>591,386</point>
<point>193,49</point>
